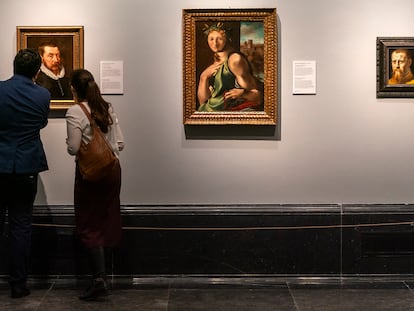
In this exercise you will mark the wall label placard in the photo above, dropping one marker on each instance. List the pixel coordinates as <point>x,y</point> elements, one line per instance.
<point>304,77</point>
<point>112,77</point>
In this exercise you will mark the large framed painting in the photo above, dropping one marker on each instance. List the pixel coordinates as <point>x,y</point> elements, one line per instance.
<point>61,49</point>
<point>230,66</point>
<point>395,68</point>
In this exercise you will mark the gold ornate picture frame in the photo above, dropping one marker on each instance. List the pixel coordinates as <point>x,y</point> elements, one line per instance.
<point>69,42</point>
<point>252,34</point>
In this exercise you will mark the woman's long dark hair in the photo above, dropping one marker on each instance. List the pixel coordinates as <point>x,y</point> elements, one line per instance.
<point>87,90</point>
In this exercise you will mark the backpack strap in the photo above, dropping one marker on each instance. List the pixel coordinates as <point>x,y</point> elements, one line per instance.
<point>85,110</point>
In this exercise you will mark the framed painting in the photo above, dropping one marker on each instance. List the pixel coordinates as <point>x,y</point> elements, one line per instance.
<point>61,49</point>
<point>395,68</point>
<point>230,67</point>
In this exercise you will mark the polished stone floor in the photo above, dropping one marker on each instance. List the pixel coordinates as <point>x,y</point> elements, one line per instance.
<point>223,294</point>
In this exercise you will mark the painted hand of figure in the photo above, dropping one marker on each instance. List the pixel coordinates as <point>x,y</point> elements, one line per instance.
<point>211,70</point>
<point>233,94</point>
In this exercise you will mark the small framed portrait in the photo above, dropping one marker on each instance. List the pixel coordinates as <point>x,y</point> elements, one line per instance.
<point>230,66</point>
<point>395,68</point>
<point>61,49</point>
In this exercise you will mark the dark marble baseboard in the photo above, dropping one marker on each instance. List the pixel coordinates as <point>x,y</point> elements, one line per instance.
<point>306,239</point>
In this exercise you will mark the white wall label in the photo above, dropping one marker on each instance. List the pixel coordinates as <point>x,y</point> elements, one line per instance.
<point>304,77</point>
<point>112,77</point>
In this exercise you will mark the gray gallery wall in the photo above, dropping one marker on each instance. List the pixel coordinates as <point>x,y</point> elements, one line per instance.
<point>341,145</point>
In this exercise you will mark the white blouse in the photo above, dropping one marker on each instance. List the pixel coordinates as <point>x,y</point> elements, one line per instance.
<point>79,129</point>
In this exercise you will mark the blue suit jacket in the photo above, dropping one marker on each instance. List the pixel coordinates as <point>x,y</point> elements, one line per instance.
<point>24,109</point>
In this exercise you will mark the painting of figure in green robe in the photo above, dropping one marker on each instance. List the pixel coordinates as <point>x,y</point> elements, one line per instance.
<point>230,66</point>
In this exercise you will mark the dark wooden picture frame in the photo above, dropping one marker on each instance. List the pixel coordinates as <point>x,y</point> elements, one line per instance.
<point>395,68</point>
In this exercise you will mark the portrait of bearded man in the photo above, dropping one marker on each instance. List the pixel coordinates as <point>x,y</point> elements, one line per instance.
<point>401,62</point>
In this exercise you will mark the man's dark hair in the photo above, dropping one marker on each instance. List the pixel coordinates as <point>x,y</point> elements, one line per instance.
<point>27,63</point>
<point>42,46</point>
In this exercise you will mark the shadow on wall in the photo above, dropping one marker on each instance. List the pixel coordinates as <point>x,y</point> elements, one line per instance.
<point>240,132</point>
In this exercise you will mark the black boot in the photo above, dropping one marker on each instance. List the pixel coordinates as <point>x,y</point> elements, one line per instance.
<point>19,291</point>
<point>98,287</point>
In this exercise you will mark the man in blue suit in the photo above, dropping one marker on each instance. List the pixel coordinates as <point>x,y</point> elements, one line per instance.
<point>24,109</point>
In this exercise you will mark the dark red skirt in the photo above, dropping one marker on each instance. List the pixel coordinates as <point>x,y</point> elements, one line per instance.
<point>97,209</point>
